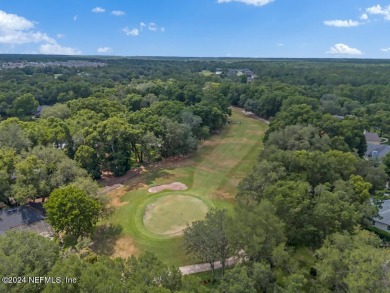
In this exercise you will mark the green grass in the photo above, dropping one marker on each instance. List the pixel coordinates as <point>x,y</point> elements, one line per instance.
<point>206,73</point>
<point>169,215</point>
<point>211,174</point>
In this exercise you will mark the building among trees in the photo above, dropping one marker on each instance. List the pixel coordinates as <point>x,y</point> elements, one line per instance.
<point>29,217</point>
<point>383,221</point>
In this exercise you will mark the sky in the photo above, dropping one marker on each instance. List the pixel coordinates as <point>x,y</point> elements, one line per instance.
<point>197,28</point>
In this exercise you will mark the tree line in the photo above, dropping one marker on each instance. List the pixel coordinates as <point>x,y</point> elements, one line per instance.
<point>111,131</point>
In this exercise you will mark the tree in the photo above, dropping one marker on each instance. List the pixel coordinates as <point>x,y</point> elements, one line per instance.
<point>333,213</point>
<point>352,129</point>
<point>296,114</point>
<point>143,274</point>
<point>41,170</point>
<point>264,174</point>
<point>386,162</point>
<point>72,211</point>
<point>25,105</point>
<point>12,135</point>
<point>262,275</point>
<point>87,158</point>
<point>256,277</point>
<point>112,140</point>
<point>352,263</point>
<point>150,146</point>
<point>257,231</point>
<point>293,203</point>
<point>380,120</point>
<point>209,239</point>
<point>237,280</point>
<point>177,139</point>
<point>51,131</point>
<point>60,111</point>
<point>7,169</point>
<point>31,179</point>
<point>298,137</point>
<point>148,271</point>
<point>101,276</point>
<point>26,254</point>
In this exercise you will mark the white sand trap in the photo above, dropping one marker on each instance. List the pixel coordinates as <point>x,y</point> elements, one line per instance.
<point>171,186</point>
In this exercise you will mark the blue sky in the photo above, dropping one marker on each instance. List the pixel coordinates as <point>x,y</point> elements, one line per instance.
<point>214,28</point>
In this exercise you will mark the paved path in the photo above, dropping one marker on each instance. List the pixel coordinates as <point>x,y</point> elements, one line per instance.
<point>204,267</point>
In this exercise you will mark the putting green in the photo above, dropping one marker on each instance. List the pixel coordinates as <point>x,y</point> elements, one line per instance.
<point>169,214</point>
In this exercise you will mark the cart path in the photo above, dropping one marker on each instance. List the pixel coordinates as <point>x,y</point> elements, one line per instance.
<point>204,267</point>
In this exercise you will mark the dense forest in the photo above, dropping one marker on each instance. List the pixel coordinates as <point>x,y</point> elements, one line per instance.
<point>302,217</point>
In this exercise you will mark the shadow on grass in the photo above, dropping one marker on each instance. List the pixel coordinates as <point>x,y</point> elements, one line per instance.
<point>105,237</point>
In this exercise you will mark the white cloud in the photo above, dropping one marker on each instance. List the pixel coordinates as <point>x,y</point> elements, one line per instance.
<point>60,36</point>
<point>14,22</point>
<point>364,16</point>
<point>16,30</point>
<point>280,44</point>
<point>104,50</point>
<point>341,23</point>
<point>137,31</point>
<point>75,17</point>
<point>131,32</point>
<point>20,37</point>
<point>152,26</point>
<point>386,50</point>
<point>58,50</point>
<point>98,10</point>
<point>342,49</point>
<point>249,2</point>
<point>379,10</point>
<point>118,12</point>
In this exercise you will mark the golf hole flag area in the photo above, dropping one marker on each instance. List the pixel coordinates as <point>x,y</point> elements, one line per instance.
<point>170,214</point>
<point>153,208</point>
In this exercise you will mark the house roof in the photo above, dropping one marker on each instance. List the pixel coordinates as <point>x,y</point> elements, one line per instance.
<point>384,213</point>
<point>40,109</point>
<point>382,150</point>
<point>19,216</point>
<point>372,136</point>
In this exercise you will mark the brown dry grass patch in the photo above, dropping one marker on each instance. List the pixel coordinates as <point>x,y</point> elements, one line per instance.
<point>124,247</point>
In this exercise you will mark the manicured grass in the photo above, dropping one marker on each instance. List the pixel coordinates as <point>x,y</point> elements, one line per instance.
<point>211,174</point>
<point>206,73</point>
<point>170,214</point>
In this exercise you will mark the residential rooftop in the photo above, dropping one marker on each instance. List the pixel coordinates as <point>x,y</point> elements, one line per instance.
<point>384,213</point>
<point>377,151</point>
<point>372,136</point>
<point>28,218</point>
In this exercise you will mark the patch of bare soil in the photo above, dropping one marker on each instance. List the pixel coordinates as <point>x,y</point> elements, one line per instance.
<point>109,180</point>
<point>222,195</point>
<point>110,188</point>
<point>171,186</point>
<point>116,195</point>
<point>116,187</point>
<point>124,247</point>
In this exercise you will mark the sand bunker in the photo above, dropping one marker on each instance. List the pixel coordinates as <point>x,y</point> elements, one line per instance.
<point>171,186</point>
